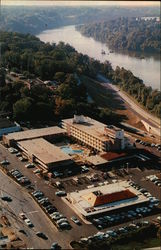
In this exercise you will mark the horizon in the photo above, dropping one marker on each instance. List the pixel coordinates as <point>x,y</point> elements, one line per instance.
<point>80,3</point>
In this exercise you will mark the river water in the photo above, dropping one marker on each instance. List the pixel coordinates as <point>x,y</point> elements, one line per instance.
<point>147,68</point>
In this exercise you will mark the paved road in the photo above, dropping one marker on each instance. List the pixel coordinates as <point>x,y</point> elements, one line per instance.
<point>150,119</point>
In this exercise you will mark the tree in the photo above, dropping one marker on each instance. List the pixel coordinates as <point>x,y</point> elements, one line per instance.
<point>2,77</point>
<point>22,109</point>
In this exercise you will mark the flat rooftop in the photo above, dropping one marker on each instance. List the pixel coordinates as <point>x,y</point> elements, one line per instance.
<point>43,150</point>
<point>35,133</point>
<point>96,160</point>
<point>83,206</point>
<point>93,127</point>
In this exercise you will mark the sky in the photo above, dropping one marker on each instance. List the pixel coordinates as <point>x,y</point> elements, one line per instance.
<point>80,3</point>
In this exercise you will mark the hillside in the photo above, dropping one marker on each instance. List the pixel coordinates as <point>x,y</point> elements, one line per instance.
<point>31,19</point>
<point>133,34</point>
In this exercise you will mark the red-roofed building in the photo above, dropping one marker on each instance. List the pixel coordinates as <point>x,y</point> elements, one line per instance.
<point>98,199</point>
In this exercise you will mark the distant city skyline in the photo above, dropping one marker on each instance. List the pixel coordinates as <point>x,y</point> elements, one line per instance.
<point>81,3</point>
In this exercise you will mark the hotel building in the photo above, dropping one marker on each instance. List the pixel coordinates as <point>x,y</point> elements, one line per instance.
<point>95,134</point>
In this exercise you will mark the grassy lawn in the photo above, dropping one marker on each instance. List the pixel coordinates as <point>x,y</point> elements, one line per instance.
<point>102,96</point>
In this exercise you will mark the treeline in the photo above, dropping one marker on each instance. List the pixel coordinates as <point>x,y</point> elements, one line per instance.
<point>26,54</point>
<point>149,98</point>
<point>31,19</point>
<point>134,34</point>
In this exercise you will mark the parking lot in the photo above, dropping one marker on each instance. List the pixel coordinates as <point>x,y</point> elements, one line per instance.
<point>89,177</point>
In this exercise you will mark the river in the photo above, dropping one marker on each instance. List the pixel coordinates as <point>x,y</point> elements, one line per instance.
<point>148,68</point>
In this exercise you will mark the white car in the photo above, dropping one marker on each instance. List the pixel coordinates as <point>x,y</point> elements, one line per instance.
<point>37,171</point>
<point>13,150</point>
<point>22,216</point>
<point>75,220</point>
<point>28,223</point>
<point>4,162</point>
<point>29,165</point>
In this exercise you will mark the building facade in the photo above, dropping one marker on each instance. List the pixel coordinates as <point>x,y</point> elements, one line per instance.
<point>95,134</point>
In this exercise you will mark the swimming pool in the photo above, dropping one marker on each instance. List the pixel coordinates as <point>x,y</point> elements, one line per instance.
<point>69,150</point>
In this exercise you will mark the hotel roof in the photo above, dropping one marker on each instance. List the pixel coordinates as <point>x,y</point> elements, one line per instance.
<point>93,127</point>
<point>44,151</point>
<point>35,133</point>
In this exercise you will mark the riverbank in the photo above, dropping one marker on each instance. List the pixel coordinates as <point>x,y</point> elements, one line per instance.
<point>148,69</point>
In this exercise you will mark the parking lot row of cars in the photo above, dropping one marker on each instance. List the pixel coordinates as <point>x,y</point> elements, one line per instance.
<point>122,217</point>
<point>155,179</point>
<point>114,233</point>
<point>57,218</point>
<point>153,145</point>
<point>20,178</point>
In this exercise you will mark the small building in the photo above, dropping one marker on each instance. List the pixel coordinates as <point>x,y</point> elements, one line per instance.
<point>46,133</point>
<point>6,126</point>
<point>107,198</point>
<point>45,154</point>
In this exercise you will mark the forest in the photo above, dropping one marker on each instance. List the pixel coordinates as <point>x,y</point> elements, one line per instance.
<point>26,54</point>
<point>34,19</point>
<point>133,34</point>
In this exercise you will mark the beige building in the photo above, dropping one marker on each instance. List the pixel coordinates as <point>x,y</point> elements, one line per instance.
<point>44,153</point>
<point>46,133</point>
<point>95,134</point>
<point>106,199</point>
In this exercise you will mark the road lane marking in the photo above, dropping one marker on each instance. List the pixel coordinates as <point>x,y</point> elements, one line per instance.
<point>32,212</point>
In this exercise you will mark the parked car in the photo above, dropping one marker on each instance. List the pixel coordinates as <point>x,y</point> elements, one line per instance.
<point>4,162</point>
<point>42,235</point>
<point>55,246</point>
<point>12,150</point>
<point>18,154</point>
<point>37,171</point>
<point>22,216</point>
<point>84,169</point>
<point>60,193</point>
<point>57,174</point>
<point>29,165</point>
<point>28,223</point>
<point>75,220</point>
<point>22,158</point>
<point>6,198</point>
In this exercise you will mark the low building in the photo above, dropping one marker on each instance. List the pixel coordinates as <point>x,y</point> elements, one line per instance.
<point>106,198</point>
<point>44,153</point>
<point>96,160</point>
<point>6,127</point>
<point>46,133</point>
<point>96,135</point>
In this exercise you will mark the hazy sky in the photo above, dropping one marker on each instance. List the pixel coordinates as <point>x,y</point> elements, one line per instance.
<point>78,3</point>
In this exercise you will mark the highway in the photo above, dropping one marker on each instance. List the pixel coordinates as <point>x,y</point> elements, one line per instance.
<point>147,117</point>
